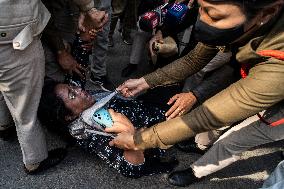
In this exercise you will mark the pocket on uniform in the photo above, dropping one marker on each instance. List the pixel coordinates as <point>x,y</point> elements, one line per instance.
<point>9,32</point>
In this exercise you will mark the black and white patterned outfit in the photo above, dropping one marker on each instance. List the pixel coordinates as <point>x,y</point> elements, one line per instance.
<point>140,114</point>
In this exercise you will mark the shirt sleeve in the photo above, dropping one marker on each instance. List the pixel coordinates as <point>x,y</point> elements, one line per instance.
<point>262,88</point>
<point>180,69</point>
<point>84,5</point>
<point>216,81</point>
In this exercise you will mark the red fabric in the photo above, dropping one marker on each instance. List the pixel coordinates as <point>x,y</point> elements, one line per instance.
<point>276,123</point>
<point>244,70</point>
<point>272,53</point>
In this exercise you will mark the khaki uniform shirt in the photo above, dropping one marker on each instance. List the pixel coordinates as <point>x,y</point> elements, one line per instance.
<point>262,88</point>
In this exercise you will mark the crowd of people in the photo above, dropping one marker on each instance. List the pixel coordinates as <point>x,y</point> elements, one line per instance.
<point>216,87</point>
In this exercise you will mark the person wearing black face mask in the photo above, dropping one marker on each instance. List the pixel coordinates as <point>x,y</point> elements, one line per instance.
<point>213,36</point>
<point>250,26</point>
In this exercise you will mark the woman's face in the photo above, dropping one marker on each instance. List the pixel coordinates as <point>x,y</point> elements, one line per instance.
<point>221,15</point>
<point>75,99</point>
<point>221,23</point>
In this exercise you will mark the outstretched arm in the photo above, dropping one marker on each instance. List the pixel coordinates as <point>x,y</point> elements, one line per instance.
<point>175,72</point>
<point>261,89</point>
<point>182,68</point>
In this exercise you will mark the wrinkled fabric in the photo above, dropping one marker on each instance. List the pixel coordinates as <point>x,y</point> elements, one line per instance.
<point>261,89</point>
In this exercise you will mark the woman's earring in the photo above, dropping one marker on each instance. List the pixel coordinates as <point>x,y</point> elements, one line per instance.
<point>261,23</point>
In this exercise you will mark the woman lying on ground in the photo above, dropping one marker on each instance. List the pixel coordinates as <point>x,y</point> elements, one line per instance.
<point>62,105</point>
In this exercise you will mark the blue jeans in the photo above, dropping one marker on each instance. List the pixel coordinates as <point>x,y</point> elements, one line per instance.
<point>276,179</point>
<point>100,49</point>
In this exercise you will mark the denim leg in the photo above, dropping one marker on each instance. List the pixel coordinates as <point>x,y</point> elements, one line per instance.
<point>100,49</point>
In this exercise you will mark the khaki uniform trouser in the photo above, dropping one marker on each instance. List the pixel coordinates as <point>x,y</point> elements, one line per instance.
<point>21,80</point>
<point>250,133</point>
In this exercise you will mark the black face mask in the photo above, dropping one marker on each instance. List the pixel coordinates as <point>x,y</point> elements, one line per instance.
<point>213,36</point>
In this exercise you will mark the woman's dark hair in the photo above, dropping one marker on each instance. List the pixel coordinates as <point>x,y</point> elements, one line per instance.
<point>251,7</point>
<point>52,110</point>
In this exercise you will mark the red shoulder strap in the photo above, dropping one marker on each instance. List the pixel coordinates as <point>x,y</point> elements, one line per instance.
<point>272,53</point>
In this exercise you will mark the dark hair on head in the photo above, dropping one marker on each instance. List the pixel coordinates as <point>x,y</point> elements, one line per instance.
<point>52,110</point>
<point>251,7</point>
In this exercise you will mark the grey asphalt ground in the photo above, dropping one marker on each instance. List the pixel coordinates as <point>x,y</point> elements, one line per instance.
<point>82,170</point>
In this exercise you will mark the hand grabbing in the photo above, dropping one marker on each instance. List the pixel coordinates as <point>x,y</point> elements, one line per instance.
<point>98,19</point>
<point>132,87</point>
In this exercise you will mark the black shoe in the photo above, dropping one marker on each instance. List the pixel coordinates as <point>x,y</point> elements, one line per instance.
<point>8,134</point>
<point>159,165</point>
<point>54,157</point>
<point>128,70</point>
<point>282,154</point>
<point>182,178</point>
<point>103,83</point>
<point>110,42</point>
<point>190,146</point>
